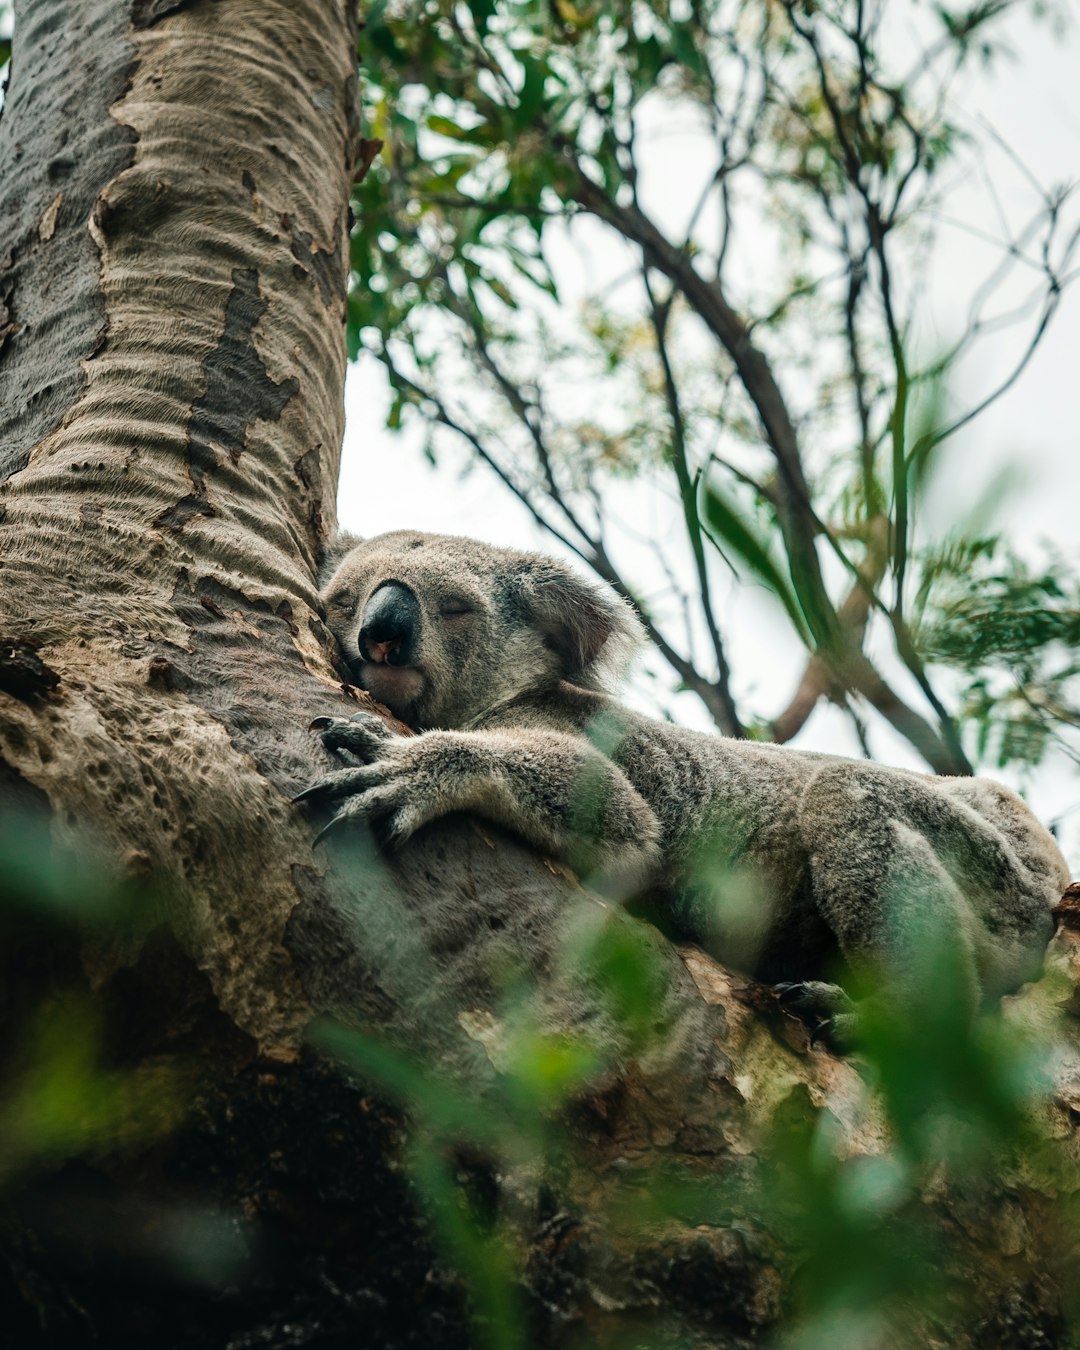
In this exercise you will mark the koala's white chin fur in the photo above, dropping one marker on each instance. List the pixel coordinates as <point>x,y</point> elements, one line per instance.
<point>398,687</point>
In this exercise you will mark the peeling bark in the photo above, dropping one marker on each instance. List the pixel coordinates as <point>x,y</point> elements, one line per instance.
<point>171,364</point>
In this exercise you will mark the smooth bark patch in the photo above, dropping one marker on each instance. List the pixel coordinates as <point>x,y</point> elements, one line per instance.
<point>238,389</point>
<point>322,265</point>
<point>146,13</point>
<point>59,149</point>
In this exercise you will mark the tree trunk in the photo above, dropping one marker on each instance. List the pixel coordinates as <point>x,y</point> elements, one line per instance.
<point>174,179</point>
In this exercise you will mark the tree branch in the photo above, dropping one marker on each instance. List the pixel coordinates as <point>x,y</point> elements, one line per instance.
<point>731,723</point>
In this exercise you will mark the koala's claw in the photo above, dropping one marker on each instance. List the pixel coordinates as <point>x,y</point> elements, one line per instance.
<point>827,1011</point>
<point>367,794</point>
<point>340,784</point>
<point>814,996</point>
<point>332,826</point>
<point>389,826</point>
<point>344,783</point>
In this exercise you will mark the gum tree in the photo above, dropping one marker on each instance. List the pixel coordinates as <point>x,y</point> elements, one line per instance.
<point>175,197</point>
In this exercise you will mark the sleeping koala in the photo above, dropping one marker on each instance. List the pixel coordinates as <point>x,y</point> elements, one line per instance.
<point>789,862</point>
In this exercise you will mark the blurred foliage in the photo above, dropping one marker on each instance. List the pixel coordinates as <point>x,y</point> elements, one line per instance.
<point>869,1259</point>
<point>959,1107</point>
<point>752,367</point>
<point>963,1105</point>
<point>61,1097</point>
<point>457,1139</point>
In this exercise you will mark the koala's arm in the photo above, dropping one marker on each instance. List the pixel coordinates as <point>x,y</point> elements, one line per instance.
<point>555,790</point>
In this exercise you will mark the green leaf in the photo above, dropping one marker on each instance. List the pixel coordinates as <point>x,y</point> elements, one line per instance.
<point>483,11</point>
<point>483,134</point>
<point>501,290</point>
<point>650,57</point>
<point>381,39</point>
<point>534,270</point>
<point>451,169</point>
<point>434,1098</point>
<point>531,98</point>
<point>684,46</point>
<point>375,15</point>
<point>729,524</point>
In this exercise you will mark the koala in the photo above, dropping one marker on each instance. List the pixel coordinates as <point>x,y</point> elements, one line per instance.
<point>790,863</point>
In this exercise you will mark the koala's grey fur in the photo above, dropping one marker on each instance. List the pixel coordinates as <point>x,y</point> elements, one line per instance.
<point>774,857</point>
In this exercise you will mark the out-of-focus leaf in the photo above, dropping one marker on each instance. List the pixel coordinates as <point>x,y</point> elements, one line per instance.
<point>544,1069</point>
<point>484,1258</point>
<point>533,269</point>
<point>483,11</point>
<point>375,15</point>
<point>647,59</point>
<point>406,1081</point>
<point>482,134</point>
<point>532,91</point>
<point>500,289</point>
<point>925,444</point>
<point>622,962</point>
<point>730,525</point>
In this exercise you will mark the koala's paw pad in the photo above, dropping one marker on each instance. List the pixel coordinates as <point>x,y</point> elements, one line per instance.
<point>379,797</point>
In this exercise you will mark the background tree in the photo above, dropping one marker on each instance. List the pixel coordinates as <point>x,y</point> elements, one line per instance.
<point>761,353</point>
<point>184,1160</point>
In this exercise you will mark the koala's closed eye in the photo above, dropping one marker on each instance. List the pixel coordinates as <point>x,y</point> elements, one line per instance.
<point>344,601</point>
<point>454,606</point>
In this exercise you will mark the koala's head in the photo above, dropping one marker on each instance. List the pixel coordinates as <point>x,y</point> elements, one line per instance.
<point>441,628</point>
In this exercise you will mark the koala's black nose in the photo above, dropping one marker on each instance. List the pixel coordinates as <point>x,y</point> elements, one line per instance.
<point>390,626</point>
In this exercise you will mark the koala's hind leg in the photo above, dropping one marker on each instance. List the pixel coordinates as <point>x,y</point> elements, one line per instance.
<point>1025,875</point>
<point>898,872</point>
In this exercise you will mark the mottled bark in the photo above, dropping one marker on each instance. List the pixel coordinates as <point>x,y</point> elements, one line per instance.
<point>173,186</point>
<point>175,191</point>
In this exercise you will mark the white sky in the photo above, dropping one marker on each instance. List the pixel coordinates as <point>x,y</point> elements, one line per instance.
<point>1032,103</point>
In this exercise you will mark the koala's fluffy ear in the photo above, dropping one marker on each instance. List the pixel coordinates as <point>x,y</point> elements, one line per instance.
<point>595,632</point>
<point>333,551</point>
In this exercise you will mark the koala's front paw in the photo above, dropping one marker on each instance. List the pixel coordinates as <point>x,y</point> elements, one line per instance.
<point>364,735</point>
<point>381,792</point>
<point>376,793</point>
